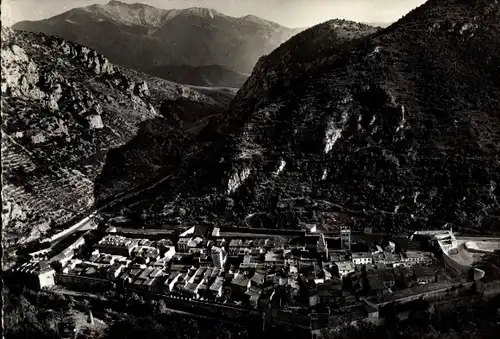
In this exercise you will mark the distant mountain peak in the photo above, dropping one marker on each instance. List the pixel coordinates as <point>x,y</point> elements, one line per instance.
<point>117,3</point>
<point>135,5</point>
<point>148,33</point>
<point>258,20</point>
<point>397,128</point>
<point>252,17</point>
<point>201,11</point>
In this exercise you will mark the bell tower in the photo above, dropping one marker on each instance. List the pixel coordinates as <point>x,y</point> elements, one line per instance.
<point>345,238</point>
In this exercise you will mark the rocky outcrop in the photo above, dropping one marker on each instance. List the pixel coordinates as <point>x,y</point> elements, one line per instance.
<point>64,109</point>
<point>98,63</point>
<point>394,130</point>
<point>142,89</point>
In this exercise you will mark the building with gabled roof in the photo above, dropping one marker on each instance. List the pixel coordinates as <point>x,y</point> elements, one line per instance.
<point>328,292</point>
<point>393,259</point>
<point>389,279</point>
<point>424,275</point>
<point>272,258</point>
<point>215,289</point>
<point>234,246</point>
<point>239,285</point>
<point>254,296</point>
<point>218,256</point>
<point>171,281</point>
<point>116,244</point>
<point>37,274</point>
<point>182,244</point>
<point>344,267</point>
<point>257,279</point>
<point>308,290</point>
<point>376,284</point>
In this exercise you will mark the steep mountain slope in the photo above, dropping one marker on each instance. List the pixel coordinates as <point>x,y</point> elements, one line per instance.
<point>64,109</point>
<point>208,76</point>
<point>141,36</point>
<point>397,130</point>
<point>293,61</point>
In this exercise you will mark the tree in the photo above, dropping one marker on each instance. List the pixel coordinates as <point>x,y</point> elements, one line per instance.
<point>161,307</point>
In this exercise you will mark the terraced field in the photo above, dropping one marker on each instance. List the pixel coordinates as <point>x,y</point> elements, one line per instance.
<point>70,119</point>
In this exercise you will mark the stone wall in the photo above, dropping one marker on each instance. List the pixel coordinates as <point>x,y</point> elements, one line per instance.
<point>212,309</point>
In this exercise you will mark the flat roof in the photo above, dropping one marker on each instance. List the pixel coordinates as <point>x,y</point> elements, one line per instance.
<point>217,284</point>
<point>190,287</point>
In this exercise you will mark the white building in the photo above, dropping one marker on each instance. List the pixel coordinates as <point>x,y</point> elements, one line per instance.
<point>38,273</point>
<point>216,232</point>
<point>361,258</point>
<point>216,287</point>
<point>195,245</point>
<point>46,277</point>
<point>344,267</point>
<point>311,228</point>
<point>172,280</point>
<point>219,257</point>
<point>417,257</point>
<point>182,244</point>
<point>391,248</point>
<point>169,253</point>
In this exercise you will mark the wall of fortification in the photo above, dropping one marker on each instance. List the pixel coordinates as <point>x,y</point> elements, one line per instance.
<point>452,264</point>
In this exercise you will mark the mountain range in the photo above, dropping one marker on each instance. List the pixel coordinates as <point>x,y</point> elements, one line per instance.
<point>344,124</point>
<point>156,41</point>
<point>397,129</point>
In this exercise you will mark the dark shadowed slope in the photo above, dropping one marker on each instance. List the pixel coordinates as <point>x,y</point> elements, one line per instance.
<point>209,76</point>
<point>141,36</point>
<point>64,108</point>
<point>397,130</point>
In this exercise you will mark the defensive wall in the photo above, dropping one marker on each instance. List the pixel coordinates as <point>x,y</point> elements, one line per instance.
<point>427,292</point>
<point>456,255</point>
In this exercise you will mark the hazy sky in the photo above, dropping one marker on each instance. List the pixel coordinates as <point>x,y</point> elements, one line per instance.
<point>290,13</point>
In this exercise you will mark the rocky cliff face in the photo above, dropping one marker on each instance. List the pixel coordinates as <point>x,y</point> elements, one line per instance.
<point>64,108</point>
<point>144,37</point>
<point>396,130</point>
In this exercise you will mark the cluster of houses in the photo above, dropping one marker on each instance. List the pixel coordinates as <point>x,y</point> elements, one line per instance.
<point>255,270</point>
